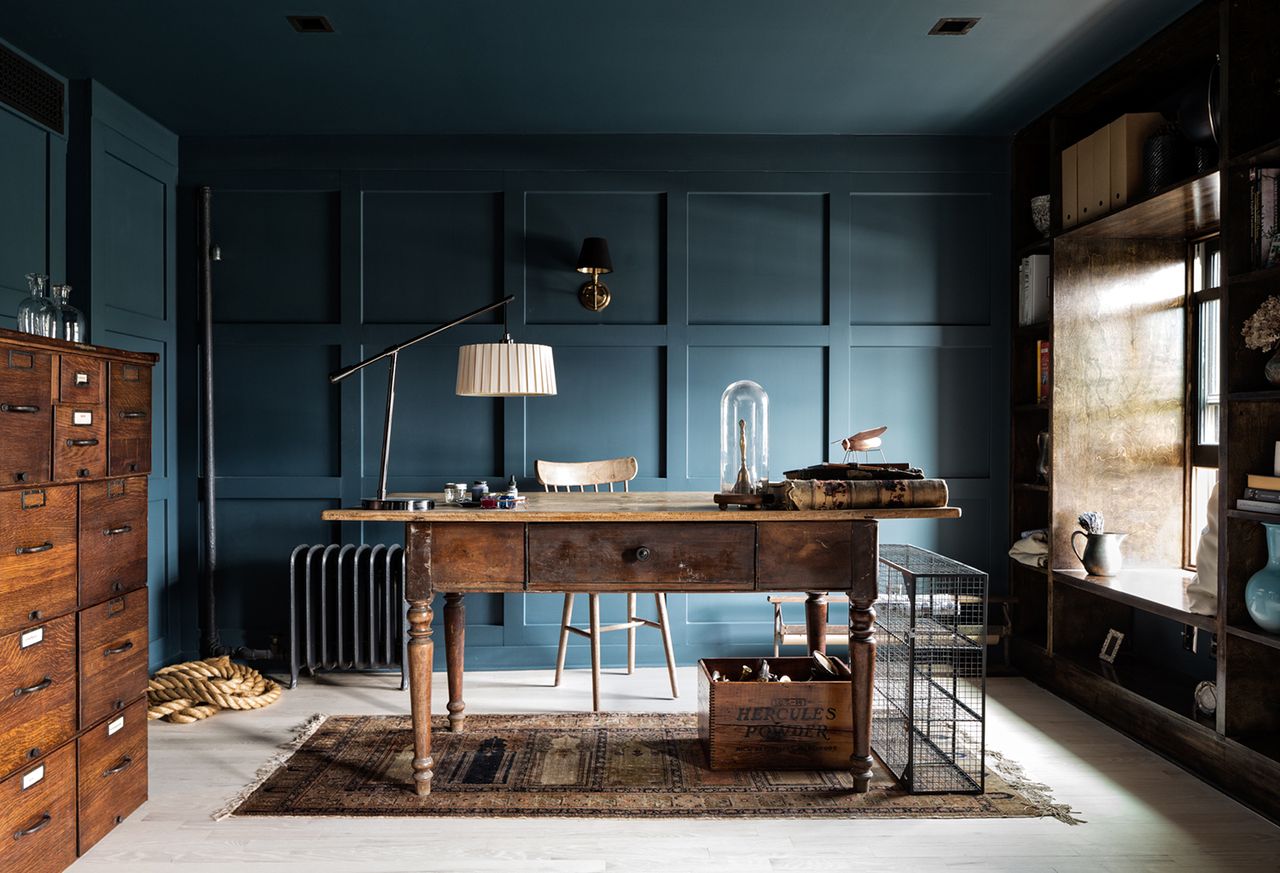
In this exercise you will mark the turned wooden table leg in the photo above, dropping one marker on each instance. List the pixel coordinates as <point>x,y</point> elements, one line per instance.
<point>864,572</point>
<point>815,621</point>
<point>455,631</point>
<point>862,661</point>
<point>421,658</point>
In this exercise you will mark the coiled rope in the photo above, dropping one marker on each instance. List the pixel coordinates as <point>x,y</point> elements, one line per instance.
<point>195,690</point>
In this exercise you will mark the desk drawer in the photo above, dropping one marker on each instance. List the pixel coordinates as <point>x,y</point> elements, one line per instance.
<point>26,416</point>
<point>80,379</point>
<point>113,538</point>
<point>112,772</point>
<point>79,442</point>
<point>806,555</point>
<point>670,556</point>
<point>129,411</point>
<point>113,655</point>
<point>37,555</point>
<point>38,815</point>
<point>37,691</point>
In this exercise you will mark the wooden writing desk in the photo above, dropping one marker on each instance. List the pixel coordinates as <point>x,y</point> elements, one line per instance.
<point>638,541</point>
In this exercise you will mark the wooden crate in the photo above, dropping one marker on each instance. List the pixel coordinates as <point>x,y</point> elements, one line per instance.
<point>796,725</point>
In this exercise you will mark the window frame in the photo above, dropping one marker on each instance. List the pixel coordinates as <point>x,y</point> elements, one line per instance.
<point>1197,454</point>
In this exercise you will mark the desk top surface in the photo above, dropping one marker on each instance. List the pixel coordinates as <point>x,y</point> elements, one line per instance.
<point>632,506</point>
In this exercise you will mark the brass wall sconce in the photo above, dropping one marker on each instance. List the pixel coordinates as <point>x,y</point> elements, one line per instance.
<point>594,259</point>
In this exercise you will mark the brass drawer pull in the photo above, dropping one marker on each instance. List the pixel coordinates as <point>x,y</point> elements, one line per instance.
<point>116,650</point>
<point>31,550</point>
<point>125,761</point>
<point>11,407</point>
<point>116,531</point>
<point>35,828</point>
<point>32,689</point>
<point>133,414</point>
<point>643,553</point>
<point>85,442</point>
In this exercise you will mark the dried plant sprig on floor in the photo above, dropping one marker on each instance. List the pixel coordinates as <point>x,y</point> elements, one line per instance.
<point>1262,329</point>
<point>1092,522</point>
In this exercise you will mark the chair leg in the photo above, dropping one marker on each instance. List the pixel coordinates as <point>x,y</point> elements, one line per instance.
<point>631,634</point>
<point>595,652</point>
<point>661,600</point>
<point>564,635</point>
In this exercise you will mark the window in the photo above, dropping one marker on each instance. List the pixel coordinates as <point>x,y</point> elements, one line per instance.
<point>1204,306</point>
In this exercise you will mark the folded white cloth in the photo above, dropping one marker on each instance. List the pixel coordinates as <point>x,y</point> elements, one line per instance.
<point>1202,590</point>
<point>1032,549</point>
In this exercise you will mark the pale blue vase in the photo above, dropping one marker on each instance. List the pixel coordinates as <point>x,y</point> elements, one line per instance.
<point>1262,594</point>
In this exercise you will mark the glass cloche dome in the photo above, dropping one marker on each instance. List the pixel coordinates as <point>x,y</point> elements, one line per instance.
<point>744,438</point>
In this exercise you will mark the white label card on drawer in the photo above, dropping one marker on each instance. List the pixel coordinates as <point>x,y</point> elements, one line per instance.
<point>29,779</point>
<point>79,417</point>
<point>115,725</point>
<point>31,637</point>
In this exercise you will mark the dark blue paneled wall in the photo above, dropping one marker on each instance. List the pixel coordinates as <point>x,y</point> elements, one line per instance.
<point>858,280</point>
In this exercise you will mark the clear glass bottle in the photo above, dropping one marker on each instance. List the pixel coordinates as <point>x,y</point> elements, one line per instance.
<point>35,313</point>
<point>744,438</point>
<point>68,322</point>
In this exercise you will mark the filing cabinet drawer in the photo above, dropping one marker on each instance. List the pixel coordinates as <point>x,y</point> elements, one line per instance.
<point>113,655</point>
<point>37,691</point>
<point>113,538</point>
<point>80,379</point>
<point>79,442</point>
<point>112,772</point>
<point>129,412</point>
<point>26,416</point>
<point>37,555</point>
<point>668,556</point>
<point>38,815</point>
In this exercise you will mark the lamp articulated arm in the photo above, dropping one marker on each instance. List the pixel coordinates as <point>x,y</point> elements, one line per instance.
<point>393,352</point>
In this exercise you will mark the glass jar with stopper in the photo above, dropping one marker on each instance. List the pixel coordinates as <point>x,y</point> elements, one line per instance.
<point>35,313</point>
<point>67,320</point>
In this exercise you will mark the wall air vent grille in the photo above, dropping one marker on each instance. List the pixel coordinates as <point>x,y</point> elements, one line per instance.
<point>311,24</point>
<point>31,91</point>
<point>952,26</point>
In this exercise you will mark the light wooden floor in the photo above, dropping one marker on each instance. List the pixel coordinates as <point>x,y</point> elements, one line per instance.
<point>1143,813</point>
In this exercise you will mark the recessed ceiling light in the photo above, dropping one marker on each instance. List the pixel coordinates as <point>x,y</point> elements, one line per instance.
<point>952,26</point>
<point>310,24</point>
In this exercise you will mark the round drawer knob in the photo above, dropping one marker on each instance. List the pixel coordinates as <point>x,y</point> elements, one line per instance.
<point>643,553</point>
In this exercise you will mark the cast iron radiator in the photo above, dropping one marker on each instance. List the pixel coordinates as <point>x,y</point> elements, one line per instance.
<point>347,610</point>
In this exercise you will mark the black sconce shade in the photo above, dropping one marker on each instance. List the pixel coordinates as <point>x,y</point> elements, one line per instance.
<point>594,257</point>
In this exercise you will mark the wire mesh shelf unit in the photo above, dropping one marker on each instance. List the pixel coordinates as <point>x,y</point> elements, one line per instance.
<point>928,724</point>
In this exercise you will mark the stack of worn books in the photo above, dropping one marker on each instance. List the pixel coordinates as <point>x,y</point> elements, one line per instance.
<point>1261,495</point>
<point>857,486</point>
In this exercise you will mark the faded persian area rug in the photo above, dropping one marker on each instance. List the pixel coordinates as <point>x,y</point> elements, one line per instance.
<point>585,765</point>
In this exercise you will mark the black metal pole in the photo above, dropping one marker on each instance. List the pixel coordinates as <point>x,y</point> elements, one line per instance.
<point>210,640</point>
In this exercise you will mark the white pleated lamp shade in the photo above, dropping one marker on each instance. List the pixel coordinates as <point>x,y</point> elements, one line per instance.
<point>505,370</point>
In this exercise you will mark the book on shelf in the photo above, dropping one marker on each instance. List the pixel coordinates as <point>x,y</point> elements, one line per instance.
<point>1264,218</point>
<point>1044,360</point>
<point>1263,483</point>
<point>1268,495</point>
<point>1258,506</point>
<point>1033,290</point>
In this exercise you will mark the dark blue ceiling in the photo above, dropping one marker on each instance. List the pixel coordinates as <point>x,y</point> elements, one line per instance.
<point>585,66</point>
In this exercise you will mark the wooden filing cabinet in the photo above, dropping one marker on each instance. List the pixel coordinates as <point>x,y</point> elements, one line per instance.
<point>75,451</point>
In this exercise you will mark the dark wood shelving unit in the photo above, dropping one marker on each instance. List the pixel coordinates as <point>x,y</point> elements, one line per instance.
<point>1158,592</point>
<point>1031,486</point>
<point>1256,635</point>
<point>1039,247</point>
<point>1160,685</point>
<point>1099,270</point>
<point>1253,396</point>
<point>1270,274</point>
<point>1187,209</point>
